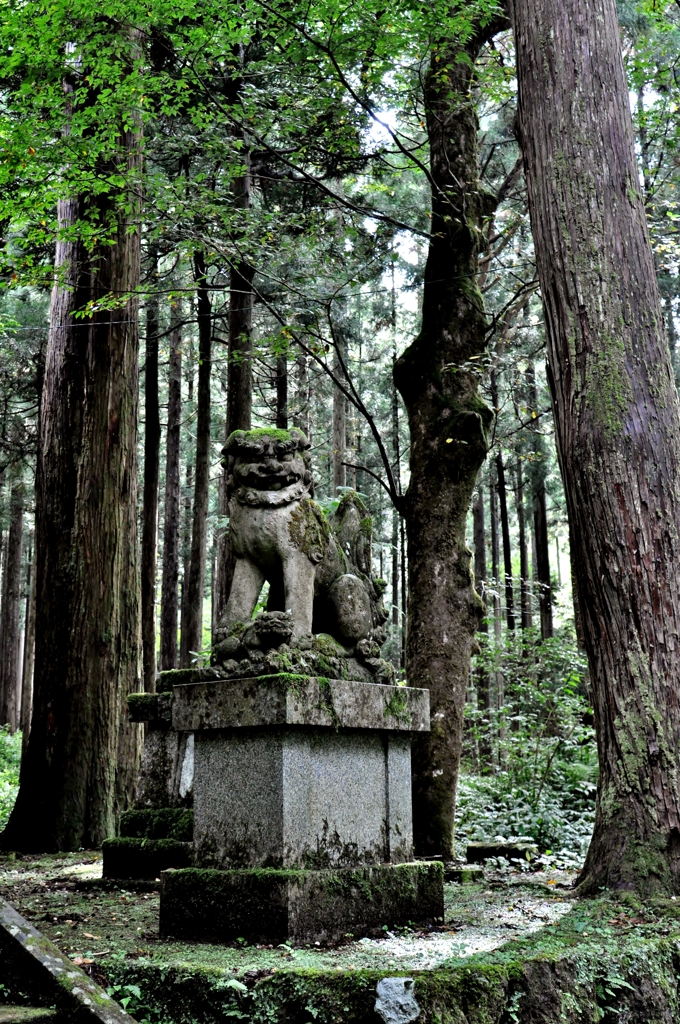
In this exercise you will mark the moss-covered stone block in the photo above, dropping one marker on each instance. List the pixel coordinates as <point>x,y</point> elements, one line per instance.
<point>155,708</point>
<point>301,906</point>
<point>158,823</point>
<point>129,857</point>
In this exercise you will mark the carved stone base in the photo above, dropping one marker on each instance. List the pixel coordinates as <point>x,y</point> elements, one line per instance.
<point>272,905</point>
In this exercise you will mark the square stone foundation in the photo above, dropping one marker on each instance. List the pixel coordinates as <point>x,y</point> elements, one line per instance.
<point>272,905</point>
<point>302,811</point>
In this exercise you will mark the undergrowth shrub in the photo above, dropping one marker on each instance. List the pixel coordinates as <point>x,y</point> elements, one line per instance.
<point>10,757</point>
<point>530,758</point>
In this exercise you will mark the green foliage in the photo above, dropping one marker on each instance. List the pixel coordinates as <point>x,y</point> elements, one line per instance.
<point>10,758</point>
<point>538,776</point>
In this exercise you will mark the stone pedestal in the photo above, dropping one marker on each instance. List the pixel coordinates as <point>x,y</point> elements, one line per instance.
<point>302,811</point>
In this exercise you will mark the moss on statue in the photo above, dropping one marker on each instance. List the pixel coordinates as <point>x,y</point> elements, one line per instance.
<point>308,529</point>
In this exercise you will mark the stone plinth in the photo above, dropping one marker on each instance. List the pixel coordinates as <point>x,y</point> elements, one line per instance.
<point>270,905</point>
<point>297,781</point>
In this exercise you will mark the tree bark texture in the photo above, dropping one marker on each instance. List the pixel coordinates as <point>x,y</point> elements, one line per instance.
<point>339,425</point>
<point>170,578</point>
<point>448,423</point>
<point>617,423</point>
<point>10,626</point>
<point>199,527</point>
<point>82,757</point>
<point>152,440</point>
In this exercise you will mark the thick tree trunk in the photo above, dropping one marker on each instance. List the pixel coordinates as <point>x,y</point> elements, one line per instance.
<point>10,626</point>
<point>617,423</point>
<point>170,579</point>
<point>507,552</point>
<point>82,756</point>
<point>448,423</point>
<point>152,440</point>
<point>193,624</point>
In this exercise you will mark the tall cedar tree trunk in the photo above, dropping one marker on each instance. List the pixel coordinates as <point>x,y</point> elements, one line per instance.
<point>542,562</point>
<point>505,533</point>
<point>170,578</point>
<point>193,624</point>
<point>448,423</point>
<point>239,382</point>
<point>152,440</point>
<point>525,581</point>
<point>10,626</point>
<point>482,676</point>
<point>617,423</point>
<point>185,534</point>
<point>82,757</point>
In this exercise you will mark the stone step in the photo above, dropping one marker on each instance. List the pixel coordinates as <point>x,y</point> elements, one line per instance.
<point>158,823</point>
<point>144,858</point>
<point>20,1014</point>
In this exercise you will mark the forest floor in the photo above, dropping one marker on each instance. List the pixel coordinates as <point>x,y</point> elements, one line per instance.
<point>496,929</point>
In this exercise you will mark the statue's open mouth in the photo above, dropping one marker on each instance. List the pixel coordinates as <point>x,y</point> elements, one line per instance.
<point>268,475</point>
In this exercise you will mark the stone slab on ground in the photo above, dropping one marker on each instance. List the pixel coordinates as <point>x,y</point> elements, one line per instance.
<point>286,699</point>
<point>298,906</point>
<point>478,852</point>
<point>463,875</point>
<point>31,965</point>
<point>23,1014</point>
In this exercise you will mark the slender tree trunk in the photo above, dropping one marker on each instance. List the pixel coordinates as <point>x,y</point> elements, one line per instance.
<point>170,580</point>
<point>617,423</point>
<point>339,425</point>
<point>482,679</point>
<point>199,529</point>
<point>282,392</point>
<point>543,561</point>
<point>301,417</point>
<point>507,552</point>
<point>495,556</point>
<point>185,533</point>
<point>10,627</point>
<point>82,756</point>
<point>240,379</point>
<point>152,440</point>
<point>448,423</point>
<point>525,581</point>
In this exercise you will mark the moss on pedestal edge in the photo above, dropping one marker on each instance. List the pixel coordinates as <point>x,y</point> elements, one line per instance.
<point>553,977</point>
<point>131,857</point>
<point>158,823</point>
<point>300,905</point>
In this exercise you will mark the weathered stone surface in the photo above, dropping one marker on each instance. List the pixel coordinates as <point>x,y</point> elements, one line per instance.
<point>477,852</point>
<point>463,876</point>
<point>319,574</point>
<point>144,858</point>
<point>158,823</point>
<point>270,905</point>
<point>167,770</point>
<point>301,797</point>
<point>286,699</point>
<point>29,963</point>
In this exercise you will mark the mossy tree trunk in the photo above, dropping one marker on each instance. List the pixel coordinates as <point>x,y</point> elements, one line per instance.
<point>82,756</point>
<point>617,423</point>
<point>448,423</point>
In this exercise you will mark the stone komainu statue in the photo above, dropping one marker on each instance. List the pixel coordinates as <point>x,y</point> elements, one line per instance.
<point>318,569</point>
